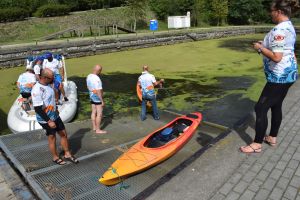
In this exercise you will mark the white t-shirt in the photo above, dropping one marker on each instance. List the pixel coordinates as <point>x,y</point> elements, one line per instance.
<point>54,66</point>
<point>282,39</point>
<point>146,80</point>
<point>94,83</point>
<point>43,95</point>
<point>37,69</point>
<point>26,81</point>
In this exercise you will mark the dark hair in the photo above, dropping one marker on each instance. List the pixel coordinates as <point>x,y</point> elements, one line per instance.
<point>288,7</point>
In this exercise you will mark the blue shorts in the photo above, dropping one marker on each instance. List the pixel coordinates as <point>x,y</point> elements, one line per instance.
<point>57,81</point>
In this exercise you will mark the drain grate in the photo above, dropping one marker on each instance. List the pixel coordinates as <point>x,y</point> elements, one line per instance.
<point>30,155</point>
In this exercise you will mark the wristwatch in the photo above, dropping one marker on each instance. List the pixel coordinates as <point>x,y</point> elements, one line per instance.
<point>259,50</point>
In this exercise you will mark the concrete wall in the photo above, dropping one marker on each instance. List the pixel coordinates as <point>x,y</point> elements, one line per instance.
<point>15,55</point>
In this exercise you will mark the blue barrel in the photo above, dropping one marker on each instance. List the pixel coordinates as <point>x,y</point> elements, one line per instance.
<point>153,25</point>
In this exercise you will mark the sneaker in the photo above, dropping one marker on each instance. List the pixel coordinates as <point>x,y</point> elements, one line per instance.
<point>157,118</point>
<point>66,99</point>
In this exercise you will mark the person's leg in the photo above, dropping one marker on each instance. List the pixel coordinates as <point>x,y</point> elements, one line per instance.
<point>93,116</point>
<point>61,130</point>
<point>52,146</point>
<point>154,108</point>
<point>64,142</point>
<point>99,109</point>
<point>277,113</point>
<point>62,90</point>
<point>261,109</point>
<point>143,114</point>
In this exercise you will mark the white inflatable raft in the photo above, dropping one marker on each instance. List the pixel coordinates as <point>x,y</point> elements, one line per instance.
<point>19,120</point>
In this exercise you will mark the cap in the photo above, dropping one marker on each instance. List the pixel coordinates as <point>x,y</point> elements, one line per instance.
<point>39,58</point>
<point>48,55</point>
<point>30,58</point>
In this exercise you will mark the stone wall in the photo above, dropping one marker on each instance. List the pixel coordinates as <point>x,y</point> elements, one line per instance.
<point>15,55</point>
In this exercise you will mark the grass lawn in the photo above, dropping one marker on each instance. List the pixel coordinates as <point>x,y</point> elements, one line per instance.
<point>196,73</point>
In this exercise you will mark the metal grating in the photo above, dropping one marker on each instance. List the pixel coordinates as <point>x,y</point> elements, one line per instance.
<point>96,153</point>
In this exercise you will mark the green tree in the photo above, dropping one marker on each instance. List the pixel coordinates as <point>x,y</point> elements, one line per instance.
<point>219,10</point>
<point>245,11</point>
<point>199,12</point>
<point>137,10</point>
<point>160,8</point>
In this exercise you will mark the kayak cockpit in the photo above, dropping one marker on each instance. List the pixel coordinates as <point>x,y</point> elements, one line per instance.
<point>168,134</point>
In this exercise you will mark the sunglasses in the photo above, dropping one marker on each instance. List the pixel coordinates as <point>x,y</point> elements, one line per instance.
<point>47,77</point>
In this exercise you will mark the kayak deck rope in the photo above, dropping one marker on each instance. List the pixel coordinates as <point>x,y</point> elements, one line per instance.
<point>122,184</point>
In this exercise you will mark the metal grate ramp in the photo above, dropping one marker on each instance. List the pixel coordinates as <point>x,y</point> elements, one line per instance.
<point>30,155</point>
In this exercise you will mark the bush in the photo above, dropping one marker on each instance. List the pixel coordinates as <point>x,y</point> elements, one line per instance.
<point>12,14</point>
<point>51,10</point>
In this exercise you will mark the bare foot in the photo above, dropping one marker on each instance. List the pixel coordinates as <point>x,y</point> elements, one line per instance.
<point>100,131</point>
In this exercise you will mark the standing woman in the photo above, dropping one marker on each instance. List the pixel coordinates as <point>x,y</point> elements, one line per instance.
<point>280,66</point>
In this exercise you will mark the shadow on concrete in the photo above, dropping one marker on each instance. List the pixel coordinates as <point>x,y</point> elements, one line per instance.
<point>204,139</point>
<point>75,141</point>
<point>242,125</point>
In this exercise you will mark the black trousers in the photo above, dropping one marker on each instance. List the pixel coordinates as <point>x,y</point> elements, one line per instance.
<point>271,97</point>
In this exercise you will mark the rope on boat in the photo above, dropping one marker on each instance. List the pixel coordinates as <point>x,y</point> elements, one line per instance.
<point>122,184</point>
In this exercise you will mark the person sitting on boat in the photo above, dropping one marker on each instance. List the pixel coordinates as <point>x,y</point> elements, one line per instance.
<point>94,86</point>
<point>25,83</point>
<point>37,66</point>
<point>43,98</point>
<point>58,70</point>
<point>147,82</point>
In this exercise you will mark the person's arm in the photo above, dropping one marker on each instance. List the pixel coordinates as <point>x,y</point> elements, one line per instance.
<point>275,51</point>
<point>274,56</point>
<point>139,84</point>
<point>44,116</point>
<point>61,70</point>
<point>62,73</point>
<point>100,95</point>
<point>158,82</point>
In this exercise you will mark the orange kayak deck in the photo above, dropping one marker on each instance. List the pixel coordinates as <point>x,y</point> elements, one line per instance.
<point>150,151</point>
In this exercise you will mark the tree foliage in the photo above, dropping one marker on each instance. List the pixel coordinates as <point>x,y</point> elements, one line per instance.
<point>12,14</point>
<point>245,11</point>
<point>214,12</point>
<point>219,10</point>
<point>50,10</point>
<point>136,10</point>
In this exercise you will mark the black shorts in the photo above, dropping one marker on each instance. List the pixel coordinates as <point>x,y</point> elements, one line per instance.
<point>26,95</point>
<point>96,103</point>
<point>51,131</point>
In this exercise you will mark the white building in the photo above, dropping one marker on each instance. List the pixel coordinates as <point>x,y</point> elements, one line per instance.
<point>179,21</point>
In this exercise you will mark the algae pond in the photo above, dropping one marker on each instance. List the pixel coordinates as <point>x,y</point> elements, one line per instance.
<point>222,78</point>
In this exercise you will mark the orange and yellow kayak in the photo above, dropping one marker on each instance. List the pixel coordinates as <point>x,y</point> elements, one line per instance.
<point>153,149</point>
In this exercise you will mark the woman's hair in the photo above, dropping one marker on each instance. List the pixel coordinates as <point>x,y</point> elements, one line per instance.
<point>288,7</point>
